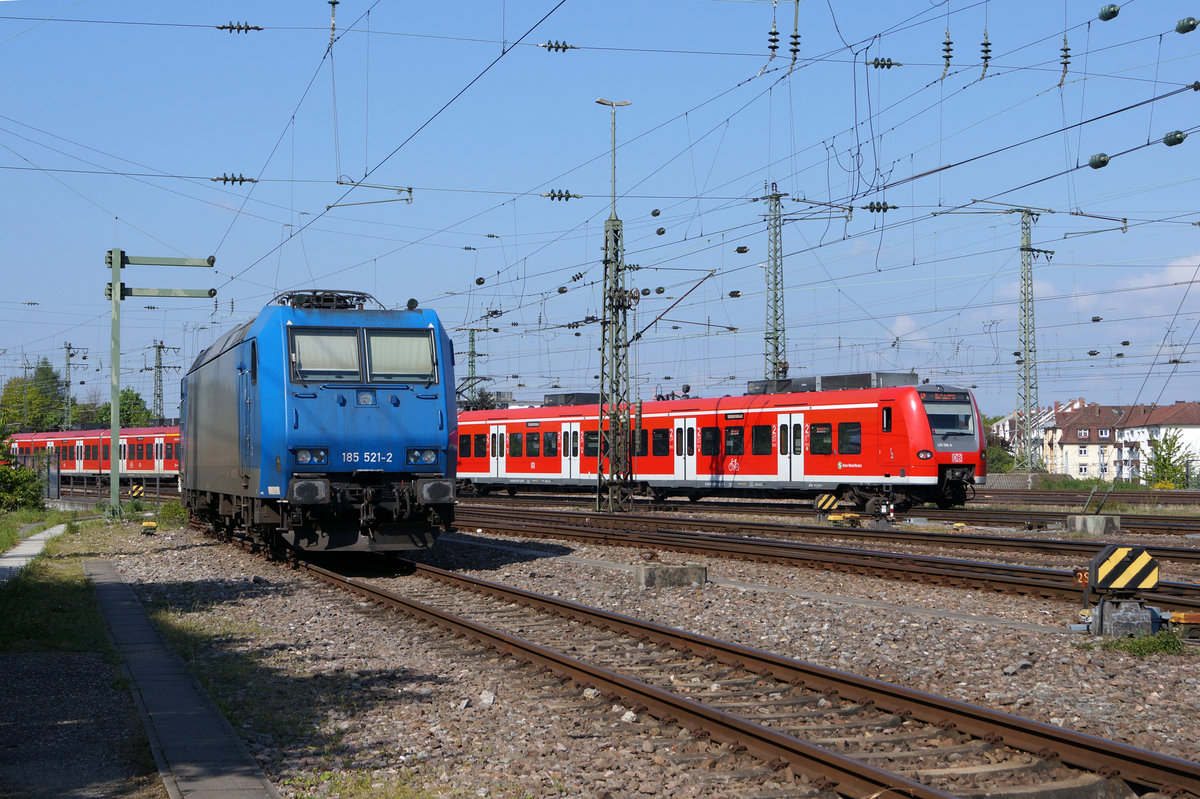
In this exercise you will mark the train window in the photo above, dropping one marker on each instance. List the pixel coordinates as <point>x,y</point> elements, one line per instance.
<point>170,451</point>
<point>797,439</point>
<point>850,438</point>
<point>324,355</point>
<point>678,440</point>
<point>550,444</point>
<point>254,363</point>
<point>105,455</point>
<point>157,450</point>
<point>464,444</point>
<point>691,441</point>
<point>710,438</point>
<point>735,440</point>
<point>760,439</point>
<point>591,443</point>
<point>515,448</point>
<point>499,442</point>
<point>533,445</point>
<point>141,452</point>
<point>122,452</point>
<point>820,439</point>
<point>641,442</point>
<point>401,356</point>
<point>574,443</point>
<point>885,419</point>
<point>660,442</point>
<point>480,450</point>
<point>783,439</point>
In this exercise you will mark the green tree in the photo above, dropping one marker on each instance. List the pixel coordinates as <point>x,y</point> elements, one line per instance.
<point>134,412</point>
<point>484,401</point>
<point>1166,462</point>
<point>33,401</point>
<point>19,487</point>
<point>999,455</point>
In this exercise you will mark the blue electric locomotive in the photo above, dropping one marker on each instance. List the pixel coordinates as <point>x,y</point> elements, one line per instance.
<point>324,426</point>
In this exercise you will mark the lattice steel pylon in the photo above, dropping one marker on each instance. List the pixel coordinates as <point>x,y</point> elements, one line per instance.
<point>775,337</point>
<point>1027,387</point>
<point>614,480</point>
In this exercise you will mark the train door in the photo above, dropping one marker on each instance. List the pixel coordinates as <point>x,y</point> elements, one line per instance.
<point>496,442</point>
<point>790,429</point>
<point>158,455</point>
<point>247,380</point>
<point>570,450</point>
<point>887,447</point>
<point>685,448</point>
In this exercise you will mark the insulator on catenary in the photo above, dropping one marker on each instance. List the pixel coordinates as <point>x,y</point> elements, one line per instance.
<point>884,63</point>
<point>559,47</point>
<point>238,179</point>
<point>239,27</point>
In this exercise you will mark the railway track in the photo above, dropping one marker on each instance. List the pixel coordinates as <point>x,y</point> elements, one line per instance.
<point>670,534</point>
<point>813,729</point>
<point>1162,524</point>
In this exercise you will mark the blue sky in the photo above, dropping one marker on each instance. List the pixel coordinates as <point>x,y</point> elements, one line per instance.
<point>115,117</point>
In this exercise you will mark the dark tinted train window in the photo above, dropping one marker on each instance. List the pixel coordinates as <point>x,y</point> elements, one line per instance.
<point>735,440</point>
<point>533,445</point>
<point>141,452</point>
<point>325,356</point>
<point>170,451</point>
<point>691,441</point>
<point>158,450</point>
<point>710,439</point>
<point>797,439</point>
<point>850,438</point>
<point>591,443</point>
<point>661,442</point>
<point>515,448</point>
<point>783,439</point>
<point>105,455</point>
<point>480,450</point>
<point>123,452</point>
<point>641,445</point>
<point>550,444</point>
<point>885,423</point>
<point>401,356</point>
<point>760,439</point>
<point>574,443</point>
<point>820,439</point>
<point>678,440</point>
<point>464,444</point>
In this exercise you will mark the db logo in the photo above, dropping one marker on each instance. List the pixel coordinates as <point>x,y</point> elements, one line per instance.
<point>956,457</point>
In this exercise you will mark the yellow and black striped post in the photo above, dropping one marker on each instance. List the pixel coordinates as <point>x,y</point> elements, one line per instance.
<point>1123,570</point>
<point>825,502</point>
<point>137,490</point>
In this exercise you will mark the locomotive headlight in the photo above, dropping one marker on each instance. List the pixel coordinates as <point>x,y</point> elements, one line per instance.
<point>924,455</point>
<point>366,398</point>
<point>307,456</point>
<point>426,456</point>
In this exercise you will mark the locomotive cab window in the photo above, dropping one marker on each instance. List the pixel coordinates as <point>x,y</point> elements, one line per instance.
<point>325,356</point>
<point>950,412</point>
<point>850,438</point>
<point>401,356</point>
<point>885,419</point>
<point>820,439</point>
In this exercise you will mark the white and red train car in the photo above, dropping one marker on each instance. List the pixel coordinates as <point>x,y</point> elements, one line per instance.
<point>905,445</point>
<point>145,452</point>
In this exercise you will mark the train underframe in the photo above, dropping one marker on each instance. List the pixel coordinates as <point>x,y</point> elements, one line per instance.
<point>326,514</point>
<point>955,486</point>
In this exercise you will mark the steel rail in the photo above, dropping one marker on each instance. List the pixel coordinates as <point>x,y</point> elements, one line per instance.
<point>1109,758</point>
<point>851,777</point>
<point>975,574</point>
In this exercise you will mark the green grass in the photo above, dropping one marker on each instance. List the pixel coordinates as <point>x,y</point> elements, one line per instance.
<point>1163,642</point>
<point>49,607</point>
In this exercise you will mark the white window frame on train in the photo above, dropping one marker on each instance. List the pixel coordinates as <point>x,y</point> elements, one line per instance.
<point>358,355</point>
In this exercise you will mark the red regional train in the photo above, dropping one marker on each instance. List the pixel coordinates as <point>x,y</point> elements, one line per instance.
<point>146,452</point>
<point>904,445</point>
